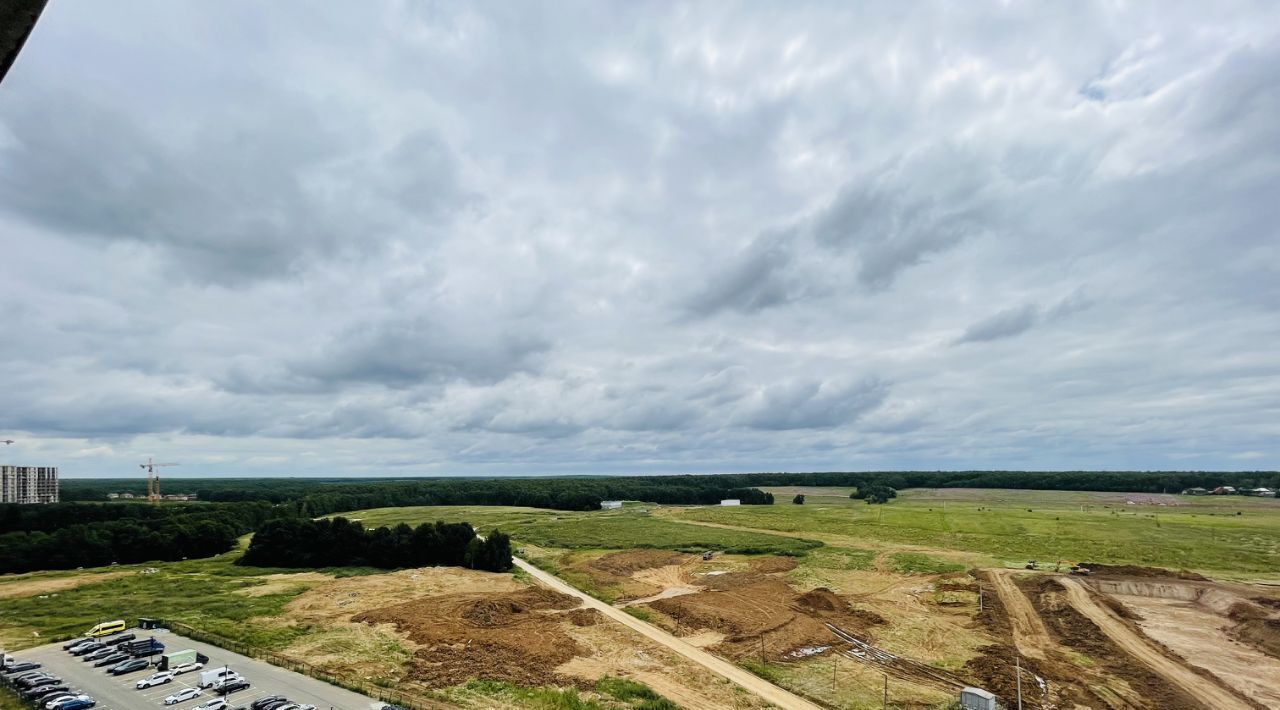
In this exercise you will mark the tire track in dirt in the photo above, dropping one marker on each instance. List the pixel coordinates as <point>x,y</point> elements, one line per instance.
<point>1197,686</point>
<point>752,683</point>
<point>1030,635</point>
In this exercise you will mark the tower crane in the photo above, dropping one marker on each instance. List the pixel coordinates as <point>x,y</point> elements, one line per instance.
<point>153,481</point>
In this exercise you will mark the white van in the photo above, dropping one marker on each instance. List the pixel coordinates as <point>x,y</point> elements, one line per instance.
<point>208,679</point>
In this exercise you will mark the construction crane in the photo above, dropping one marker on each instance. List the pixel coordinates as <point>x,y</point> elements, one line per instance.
<point>153,481</point>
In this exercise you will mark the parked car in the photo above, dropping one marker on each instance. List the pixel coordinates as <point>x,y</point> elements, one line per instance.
<point>275,704</point>
<point>46,680</point>
<point>182,696</point>
<point>20,667</point>
<point>233,685</point>
<point>118,639</point>
<point>111,660</point>
<point>208,679</point>
<point>261,703</point>
<point>75,642</point>
<point>43,690</point>
<point>215,704</point>
<point>187,668</point>
<point>87,648</point>
<point>81,645</point>
<point>79,702</point>
<point>99,654</point>
<point>33,681</point>
<point>155,679</point>
<point>52,702</point>
<point>131,666</point>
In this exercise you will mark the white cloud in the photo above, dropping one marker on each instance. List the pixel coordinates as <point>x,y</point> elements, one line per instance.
<point>619,237</point>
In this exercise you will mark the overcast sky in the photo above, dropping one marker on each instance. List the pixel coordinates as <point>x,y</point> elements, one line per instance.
<point>414,238</point>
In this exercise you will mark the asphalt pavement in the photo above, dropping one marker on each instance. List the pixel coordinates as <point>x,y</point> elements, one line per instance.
<point>119,693</point>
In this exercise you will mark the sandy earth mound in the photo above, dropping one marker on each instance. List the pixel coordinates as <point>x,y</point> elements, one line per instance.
<point>514,637</point>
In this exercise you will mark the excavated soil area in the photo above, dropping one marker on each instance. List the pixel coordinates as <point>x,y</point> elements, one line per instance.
<point>1136,571</point>
<point>1071,629</point>
<point>515,637</point>
<point>746,607</point>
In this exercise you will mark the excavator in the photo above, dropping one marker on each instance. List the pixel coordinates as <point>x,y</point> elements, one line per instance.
<point>1073,568</point>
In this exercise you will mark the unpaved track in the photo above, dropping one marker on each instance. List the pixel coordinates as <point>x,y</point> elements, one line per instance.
<point>1145,652</point>
<point>715,664</point>
<point>1029,632</point>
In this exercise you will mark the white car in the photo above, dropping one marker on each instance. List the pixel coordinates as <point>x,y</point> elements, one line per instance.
<point>187,668</point>
<point>215,704</point>
<point>182,696</point>
<point>56,700</point>
<point>155,679</point>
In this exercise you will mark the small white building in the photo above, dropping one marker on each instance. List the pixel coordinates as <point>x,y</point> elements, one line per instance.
<point>977,699</point>
<point>731,501</point>
<point>610,504</point>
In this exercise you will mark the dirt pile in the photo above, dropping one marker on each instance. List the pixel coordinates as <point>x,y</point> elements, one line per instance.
<point>755,606</point>
<point>1262,634</point>
<point>514,637</point>
<point>1136,571</point>
<point>771,565</point>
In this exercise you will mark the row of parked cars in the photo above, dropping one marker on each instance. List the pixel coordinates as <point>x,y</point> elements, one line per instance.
<point>44,690</point>
<point>120,654</point>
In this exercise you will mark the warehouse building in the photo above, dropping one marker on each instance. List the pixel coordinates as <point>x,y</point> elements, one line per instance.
<point>28,484</point>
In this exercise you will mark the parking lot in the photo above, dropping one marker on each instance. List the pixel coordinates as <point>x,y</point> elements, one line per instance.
<point>119,693</point>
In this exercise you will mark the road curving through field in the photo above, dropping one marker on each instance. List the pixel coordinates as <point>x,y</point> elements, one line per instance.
<point>763,688</point>
<point>1145,652</point>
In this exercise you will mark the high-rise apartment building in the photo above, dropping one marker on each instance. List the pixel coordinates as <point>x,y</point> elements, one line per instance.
<point>28,484</point>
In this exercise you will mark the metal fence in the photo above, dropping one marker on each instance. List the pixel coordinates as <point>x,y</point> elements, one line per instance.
<point>377,692</point>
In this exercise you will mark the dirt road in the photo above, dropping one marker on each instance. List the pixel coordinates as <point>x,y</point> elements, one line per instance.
<point>1029,632</point>
<point>1140,648</point>
<point>715,664</point>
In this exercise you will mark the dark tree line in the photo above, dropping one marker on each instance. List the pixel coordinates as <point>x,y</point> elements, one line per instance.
<point>69,535</point>
<point>325,496</point>
<point>338,542</point>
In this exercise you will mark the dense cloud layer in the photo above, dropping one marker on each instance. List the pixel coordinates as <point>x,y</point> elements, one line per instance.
<point>422,239</point>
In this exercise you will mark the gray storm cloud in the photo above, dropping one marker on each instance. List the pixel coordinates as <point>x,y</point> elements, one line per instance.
<point>612,237</point>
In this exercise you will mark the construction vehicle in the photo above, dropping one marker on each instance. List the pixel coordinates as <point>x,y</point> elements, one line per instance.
<point>707,555</point>
<point>1031,564</point>
<point>1073,568</point>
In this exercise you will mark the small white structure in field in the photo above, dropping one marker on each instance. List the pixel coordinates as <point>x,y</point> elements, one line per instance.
<point>610,504</point>
<point>977,699</point>
<point>731,501</point>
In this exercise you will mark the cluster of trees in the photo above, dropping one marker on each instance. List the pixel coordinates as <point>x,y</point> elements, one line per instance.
<point>799,499</point>
<point>300,542</point>
<point>874,493</point>
<point>70,535</point>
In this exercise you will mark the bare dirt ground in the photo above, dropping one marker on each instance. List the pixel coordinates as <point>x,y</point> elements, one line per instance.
<point>512,636</point>
<point>1144,651</point>
<point>1209,627</point>
<point>23,586</point>
<point>1029,633</point>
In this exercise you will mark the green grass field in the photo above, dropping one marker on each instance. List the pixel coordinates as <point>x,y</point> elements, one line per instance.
<point>1214,534</point>
<point>197,592</point>
<point>628,528</point>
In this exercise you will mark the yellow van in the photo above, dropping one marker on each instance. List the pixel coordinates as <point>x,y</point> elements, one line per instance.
<point>106,628</point>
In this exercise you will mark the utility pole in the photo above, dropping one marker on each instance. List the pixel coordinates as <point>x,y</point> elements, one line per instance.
<point>1018,665</point>
<point>835,664</point>
<point>979,597</point>
<point>886,691</point>
<point>762,662</point>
